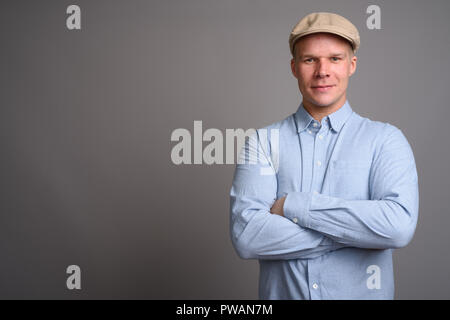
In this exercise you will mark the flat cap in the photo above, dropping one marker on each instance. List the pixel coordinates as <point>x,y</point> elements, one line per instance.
<point>325,22</point>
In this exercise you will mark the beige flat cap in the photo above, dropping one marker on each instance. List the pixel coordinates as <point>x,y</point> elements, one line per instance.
<point>325,22</point>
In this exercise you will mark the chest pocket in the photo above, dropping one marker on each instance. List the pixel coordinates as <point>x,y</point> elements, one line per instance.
<point>349,179</point>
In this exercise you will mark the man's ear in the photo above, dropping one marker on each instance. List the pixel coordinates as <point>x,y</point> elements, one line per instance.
<point>293,68</point>
<point>353,62</point>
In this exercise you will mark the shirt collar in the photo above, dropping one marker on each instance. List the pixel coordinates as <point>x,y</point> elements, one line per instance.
<point>336,119</point>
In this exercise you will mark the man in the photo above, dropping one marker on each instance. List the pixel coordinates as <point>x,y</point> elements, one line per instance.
<point>343,189</point>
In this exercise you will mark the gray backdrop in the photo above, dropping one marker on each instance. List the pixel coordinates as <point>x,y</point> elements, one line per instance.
<point>87,115</point>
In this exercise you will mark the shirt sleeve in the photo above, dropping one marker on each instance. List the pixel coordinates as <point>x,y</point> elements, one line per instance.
<point>387,220</point>
<point>255,232</point>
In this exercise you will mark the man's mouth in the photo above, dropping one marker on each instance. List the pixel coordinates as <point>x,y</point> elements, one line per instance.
<point>322,88</point>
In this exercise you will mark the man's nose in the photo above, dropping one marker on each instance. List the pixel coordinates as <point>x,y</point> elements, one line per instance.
<point>322,69</point>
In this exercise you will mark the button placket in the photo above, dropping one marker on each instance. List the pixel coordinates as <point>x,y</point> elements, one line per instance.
<point>313,279</point>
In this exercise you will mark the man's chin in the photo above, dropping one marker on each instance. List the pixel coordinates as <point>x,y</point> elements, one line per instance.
<point>322,103</point>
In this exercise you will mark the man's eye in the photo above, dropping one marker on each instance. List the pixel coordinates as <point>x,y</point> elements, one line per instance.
<point>309,60</point>
<point>335,58</point>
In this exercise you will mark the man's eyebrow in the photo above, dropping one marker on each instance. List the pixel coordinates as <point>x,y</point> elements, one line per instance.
<point>340,54</point>
<point>307,55</point>
<point>310,55</point>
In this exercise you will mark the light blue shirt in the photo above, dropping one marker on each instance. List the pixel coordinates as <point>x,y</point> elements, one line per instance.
<point>352,196</point>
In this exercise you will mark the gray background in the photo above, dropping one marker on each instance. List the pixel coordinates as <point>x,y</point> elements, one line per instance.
<point>86,118</point>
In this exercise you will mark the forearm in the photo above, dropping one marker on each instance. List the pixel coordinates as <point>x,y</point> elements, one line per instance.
<point>258,234</point>
<point>376,224</point>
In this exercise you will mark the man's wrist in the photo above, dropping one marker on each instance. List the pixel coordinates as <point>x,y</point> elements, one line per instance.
<point>296,207</point>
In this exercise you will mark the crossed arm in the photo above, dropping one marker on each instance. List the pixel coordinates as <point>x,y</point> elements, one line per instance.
<point>304,225</point>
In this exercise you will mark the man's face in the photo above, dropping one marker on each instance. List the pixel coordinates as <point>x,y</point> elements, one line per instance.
<point>323,64</point>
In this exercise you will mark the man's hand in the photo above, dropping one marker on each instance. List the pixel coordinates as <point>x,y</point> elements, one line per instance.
<point>277,207</point>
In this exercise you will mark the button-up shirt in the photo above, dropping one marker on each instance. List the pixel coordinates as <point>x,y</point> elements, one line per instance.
<point>352,196</point>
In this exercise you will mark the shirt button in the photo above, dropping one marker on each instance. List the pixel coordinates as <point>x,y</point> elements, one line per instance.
<point>315,286</point>
<point>295,220</point>
<point>319,163</point>
<point>320,136</point>
<point>309,131</point>
<point>315,192</point>
<point>314,124</point>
